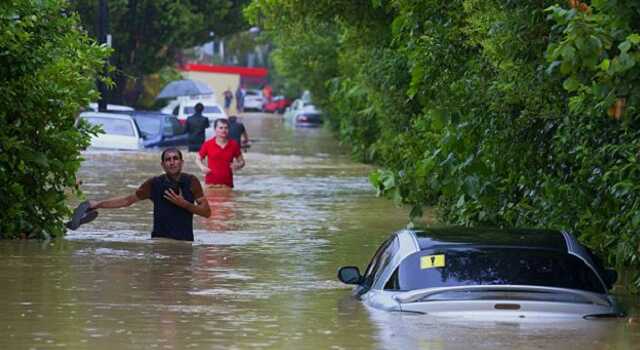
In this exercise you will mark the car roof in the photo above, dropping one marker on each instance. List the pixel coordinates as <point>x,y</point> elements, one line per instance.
<point>112,107</point>
<point>149,114</point>
<point>431,237</point>
<point>205,102</point>
<point>105,115</point>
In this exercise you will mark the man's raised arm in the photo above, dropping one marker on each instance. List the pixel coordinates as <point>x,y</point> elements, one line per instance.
<point>115,202</point>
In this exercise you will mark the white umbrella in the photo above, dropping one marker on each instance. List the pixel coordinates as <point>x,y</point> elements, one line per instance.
<point>185,87</point>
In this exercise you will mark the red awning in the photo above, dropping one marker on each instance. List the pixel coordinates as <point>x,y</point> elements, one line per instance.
<point>257,72</point>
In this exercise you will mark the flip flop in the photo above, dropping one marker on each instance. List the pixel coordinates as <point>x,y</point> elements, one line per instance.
<point>78,213</point>
<point>89,216</point>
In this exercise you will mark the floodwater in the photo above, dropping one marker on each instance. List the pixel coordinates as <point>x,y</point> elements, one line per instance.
<point>260,274</point>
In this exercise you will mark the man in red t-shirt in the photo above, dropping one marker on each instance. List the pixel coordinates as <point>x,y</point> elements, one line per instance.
<point>223,157</point>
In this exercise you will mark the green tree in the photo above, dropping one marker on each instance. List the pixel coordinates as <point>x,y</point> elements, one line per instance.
<point>48,68</point>
<point>149,35</point>
<point>507,113</point>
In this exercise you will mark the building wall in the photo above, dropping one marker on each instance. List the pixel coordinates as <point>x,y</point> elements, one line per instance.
<point>219,82</point>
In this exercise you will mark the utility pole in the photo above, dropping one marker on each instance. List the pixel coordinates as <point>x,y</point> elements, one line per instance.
<point>104,37</point>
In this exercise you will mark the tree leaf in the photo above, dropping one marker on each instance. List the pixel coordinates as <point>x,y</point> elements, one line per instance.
<point>571,84</point>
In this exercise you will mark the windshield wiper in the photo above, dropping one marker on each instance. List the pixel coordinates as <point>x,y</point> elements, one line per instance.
<point>420,294</point>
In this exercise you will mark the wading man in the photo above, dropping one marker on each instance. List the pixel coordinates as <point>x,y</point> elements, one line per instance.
<point>176,196</point>
<point>238,132</point>
<point>196,127</point>
<point>223,157</point>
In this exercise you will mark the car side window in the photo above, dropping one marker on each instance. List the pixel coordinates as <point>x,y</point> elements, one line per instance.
<point>392,283</point>
<point>380,260</point>
<point>176,110</point>
<point>167,129</point>
<point>175,125</point>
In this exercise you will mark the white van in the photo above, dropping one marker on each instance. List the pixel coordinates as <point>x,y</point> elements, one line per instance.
<point>184,107</point>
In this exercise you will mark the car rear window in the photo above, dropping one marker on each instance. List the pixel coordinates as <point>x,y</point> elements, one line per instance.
<point>113,126</point>
<point>494,266</point>
<point>207,109</point>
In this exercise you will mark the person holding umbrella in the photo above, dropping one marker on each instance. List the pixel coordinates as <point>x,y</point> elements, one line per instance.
<point>228,97</point>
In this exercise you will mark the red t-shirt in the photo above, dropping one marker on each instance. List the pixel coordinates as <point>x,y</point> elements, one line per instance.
<point>219,161</point>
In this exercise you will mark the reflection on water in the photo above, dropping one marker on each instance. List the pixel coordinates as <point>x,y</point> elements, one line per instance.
<point>223,210</point>
<point>260,274</point>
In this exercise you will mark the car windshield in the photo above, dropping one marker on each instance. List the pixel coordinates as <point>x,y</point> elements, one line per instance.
<point>494,266</point>
<point>113,126</point>
<point>207,109</point>
<point>149,125</point>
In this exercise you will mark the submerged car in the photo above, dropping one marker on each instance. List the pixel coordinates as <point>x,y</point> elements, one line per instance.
<point>487,274</point>
<point>159,129</point>
<point>120,131</point>
<point>303,113</point>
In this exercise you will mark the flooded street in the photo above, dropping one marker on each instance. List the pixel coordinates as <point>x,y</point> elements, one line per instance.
<point>260,274</point>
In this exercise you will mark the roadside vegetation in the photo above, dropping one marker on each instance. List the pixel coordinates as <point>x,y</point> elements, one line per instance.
<point>509,113</point>
<point>48,69</point>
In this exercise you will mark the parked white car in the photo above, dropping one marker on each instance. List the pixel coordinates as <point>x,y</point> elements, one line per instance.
<point>253,100</point>
<point>120,131</point>
<point>303,113</point>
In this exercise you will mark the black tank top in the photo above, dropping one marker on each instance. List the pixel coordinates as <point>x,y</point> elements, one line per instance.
<point>235,131</point>
<point>169,220</point>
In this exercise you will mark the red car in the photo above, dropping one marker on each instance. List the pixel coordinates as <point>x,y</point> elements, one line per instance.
<point>277,104</point>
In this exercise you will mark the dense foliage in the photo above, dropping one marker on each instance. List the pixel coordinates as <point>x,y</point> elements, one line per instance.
<point>47,73</point>
<point>498,112</point>
<point>148,35</point>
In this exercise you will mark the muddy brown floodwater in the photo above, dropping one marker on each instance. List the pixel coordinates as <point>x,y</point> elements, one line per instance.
<point>260,274</point>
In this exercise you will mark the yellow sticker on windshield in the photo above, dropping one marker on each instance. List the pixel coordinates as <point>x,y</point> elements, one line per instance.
<point>431,261</point>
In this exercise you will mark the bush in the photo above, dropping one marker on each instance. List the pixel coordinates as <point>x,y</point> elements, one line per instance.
<point>48,67</point>
<point>493,112</point>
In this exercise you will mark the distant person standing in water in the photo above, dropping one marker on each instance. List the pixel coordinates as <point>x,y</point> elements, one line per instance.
<point>267,92</point>
<point>195,127</point>
<point>176,196</point>
<point>238,132</point>
<point>240,93</point>
<point>228,97</point>
<point>223,157</point>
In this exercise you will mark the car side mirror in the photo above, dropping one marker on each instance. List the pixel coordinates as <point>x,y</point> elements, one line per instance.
<point>610,277</point>
<point>349,275</point>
